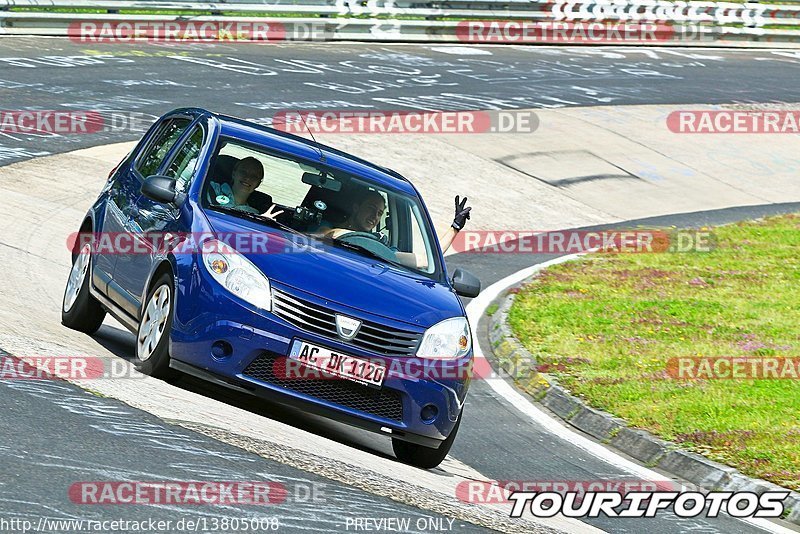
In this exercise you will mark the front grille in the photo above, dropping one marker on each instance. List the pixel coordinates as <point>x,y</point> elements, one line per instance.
<point>374,337</point>
<point>385,403</point>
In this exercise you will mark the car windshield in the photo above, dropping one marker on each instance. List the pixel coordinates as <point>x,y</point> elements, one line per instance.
<point>321,203</point>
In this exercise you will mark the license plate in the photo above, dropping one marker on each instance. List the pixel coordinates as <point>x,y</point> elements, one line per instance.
<point>339,365</point>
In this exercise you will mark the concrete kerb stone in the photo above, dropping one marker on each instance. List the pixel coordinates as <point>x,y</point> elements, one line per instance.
<point>599,424</point>
<point>695,468</point>
<point>792,503</point>
<point>511,356</point>
<point>560,402</point>
<point>640,445</point>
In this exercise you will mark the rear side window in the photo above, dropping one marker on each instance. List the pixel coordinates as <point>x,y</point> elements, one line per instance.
<point>184,164</point>
<point>164,140</point>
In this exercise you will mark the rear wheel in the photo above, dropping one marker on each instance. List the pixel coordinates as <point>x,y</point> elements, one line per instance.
<point>421,456</point>
<point>79,309</point>
<point>152,336</point>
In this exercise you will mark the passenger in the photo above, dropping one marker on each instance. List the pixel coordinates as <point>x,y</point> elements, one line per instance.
<point>246,177</point>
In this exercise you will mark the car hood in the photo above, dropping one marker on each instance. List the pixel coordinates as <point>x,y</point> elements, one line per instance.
<point>342,276</point>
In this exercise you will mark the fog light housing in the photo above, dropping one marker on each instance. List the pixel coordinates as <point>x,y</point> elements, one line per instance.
<point>429,413</point>
<point>221,349</point>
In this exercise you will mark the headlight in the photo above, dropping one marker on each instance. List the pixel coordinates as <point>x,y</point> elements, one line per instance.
<point>447,340</point>
<point>236,274</point>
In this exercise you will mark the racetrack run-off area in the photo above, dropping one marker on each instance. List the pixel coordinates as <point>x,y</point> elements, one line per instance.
<point>602,153</point>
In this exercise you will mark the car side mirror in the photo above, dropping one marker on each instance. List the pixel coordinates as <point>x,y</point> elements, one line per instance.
<point>466,284</point>
<point>160,188</point>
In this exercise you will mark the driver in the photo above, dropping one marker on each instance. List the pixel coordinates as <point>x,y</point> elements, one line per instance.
<point>364,216</point>
<point>368,212</point>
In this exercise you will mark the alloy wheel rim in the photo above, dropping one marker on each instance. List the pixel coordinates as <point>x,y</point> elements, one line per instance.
<point>153,323</point>
<point>77,276</point>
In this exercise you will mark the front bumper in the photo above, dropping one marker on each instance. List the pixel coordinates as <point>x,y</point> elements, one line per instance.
<point>258,341</point>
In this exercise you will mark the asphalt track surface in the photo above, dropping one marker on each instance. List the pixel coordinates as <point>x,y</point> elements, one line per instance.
<point>255,81</point>
<point>84,445</point>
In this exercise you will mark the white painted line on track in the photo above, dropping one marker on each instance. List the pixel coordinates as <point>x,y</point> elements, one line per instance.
<point>476,309</point>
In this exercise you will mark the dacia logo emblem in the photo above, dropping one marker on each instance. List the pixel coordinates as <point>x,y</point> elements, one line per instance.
<point>347,327</point>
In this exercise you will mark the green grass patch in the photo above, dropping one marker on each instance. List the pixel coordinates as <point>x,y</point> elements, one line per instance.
<point>607,325</point>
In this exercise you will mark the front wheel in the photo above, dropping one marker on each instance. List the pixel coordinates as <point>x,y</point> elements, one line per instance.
<point>421,456</point>
<point>152,336</point>
<point>79,309</point>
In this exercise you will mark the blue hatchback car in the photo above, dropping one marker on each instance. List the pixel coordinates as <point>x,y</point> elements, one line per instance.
<point>283,268</point>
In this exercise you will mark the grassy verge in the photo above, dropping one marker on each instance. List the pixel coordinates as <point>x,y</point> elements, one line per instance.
<point>607,325</point>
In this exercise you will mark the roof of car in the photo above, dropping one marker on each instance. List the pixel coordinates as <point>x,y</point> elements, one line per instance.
<point>306,148</point>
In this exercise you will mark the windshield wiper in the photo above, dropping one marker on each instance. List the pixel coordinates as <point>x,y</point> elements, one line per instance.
<point>367,252</point>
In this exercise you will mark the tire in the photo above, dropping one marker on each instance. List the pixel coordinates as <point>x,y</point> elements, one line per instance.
<point>79,309</point>
<point>155,325</point>
<point>421,456</point>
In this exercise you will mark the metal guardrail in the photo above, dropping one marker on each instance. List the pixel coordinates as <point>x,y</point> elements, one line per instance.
<point>412,8</point>
<point>705,22</point>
